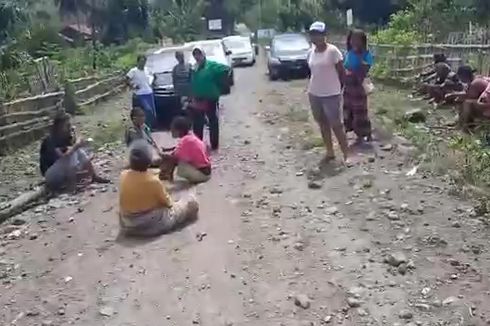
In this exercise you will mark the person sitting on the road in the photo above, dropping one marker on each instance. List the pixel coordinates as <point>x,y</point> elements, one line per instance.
<point>138,130</point>
<point>63,161</point>
<point>190,156</point>
<point>146,208</point>
<point>141,80</point>
<point>206,89</point>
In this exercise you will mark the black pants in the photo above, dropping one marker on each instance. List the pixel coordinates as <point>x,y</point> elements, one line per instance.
<point>199,120</point>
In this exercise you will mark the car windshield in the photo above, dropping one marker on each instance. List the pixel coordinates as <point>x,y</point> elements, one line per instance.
<point>161,62</point>
<point>237,44</point>
<point>212,50</point>
<point>290,44</point>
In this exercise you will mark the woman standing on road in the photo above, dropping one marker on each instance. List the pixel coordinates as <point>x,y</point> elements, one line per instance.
<point>325,89</point>
<point>141,80</point>
<point>358,62</point>
<point>206,90</point>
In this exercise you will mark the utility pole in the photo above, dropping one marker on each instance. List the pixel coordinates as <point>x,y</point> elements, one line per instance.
<point>94,35</point>
<point>260,14</point>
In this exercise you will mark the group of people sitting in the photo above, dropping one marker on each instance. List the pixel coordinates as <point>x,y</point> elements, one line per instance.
<point>469,92</point>
<point>146,208</point>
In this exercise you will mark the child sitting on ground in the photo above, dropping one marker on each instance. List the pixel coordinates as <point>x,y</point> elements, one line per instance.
<point>138,130</point>
<point>190,157</point>
<point>146,208</point>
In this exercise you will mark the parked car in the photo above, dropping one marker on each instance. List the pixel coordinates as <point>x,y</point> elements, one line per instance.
<point>216,51</point>
<point>161,64</point>
<point>287,55</point>
<point>242,51</point>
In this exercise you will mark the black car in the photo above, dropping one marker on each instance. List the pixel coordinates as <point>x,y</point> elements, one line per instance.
<point>288,55</point>
<point>168,104</point>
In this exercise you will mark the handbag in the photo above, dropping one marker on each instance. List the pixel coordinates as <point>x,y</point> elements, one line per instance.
<point>368,86</point>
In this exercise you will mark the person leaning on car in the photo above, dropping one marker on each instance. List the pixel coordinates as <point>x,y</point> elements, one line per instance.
<point>206,88</point>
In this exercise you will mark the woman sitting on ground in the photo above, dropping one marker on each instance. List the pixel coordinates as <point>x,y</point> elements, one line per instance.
<point>63,160</point>
<point>190,157</point>
<point>146,208</point>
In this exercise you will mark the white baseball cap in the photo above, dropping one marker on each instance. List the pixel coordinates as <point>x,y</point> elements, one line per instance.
<point>319,27</point>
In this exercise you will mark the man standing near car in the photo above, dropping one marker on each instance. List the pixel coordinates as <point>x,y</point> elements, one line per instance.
<point>206,85</point>
<point>141,80</point>
<point>181,77</point>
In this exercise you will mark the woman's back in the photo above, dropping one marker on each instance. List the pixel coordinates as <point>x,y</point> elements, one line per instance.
<point>142,192</point>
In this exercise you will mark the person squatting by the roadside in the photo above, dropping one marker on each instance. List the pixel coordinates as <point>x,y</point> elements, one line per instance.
<point>206,89</point>
<point>190,157</point>
<point>140,79</point>
<point>358,62</point>
<point>325,89</point>
<point>476,104</point>
<point>146,208</point>
<point>63,161</point>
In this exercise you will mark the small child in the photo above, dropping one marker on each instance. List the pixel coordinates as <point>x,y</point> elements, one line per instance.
<point>190,156</point>
<point>138,130</point>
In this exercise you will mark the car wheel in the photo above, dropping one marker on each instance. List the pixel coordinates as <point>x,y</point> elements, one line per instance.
<point>273,76</point>
<point>232,79</point>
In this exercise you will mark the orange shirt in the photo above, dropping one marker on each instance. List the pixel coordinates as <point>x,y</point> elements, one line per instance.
<point>141,192</point>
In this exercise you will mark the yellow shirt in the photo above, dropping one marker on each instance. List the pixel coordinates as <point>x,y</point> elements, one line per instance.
<point>141,192</point>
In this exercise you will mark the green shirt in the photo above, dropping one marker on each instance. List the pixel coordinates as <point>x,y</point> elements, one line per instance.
<point>207,79</point>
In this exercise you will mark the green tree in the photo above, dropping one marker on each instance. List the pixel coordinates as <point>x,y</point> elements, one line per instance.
<point>179,19</point>
<point>13,18</point>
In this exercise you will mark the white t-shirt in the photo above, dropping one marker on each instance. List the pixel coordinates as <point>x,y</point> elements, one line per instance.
<point>141,78</point>
<point>324,79</point>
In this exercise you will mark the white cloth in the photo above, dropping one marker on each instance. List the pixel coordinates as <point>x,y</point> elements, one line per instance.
<point>142,79</point>
<point>324,80</point>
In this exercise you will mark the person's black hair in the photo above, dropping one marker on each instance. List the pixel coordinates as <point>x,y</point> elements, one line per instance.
<point>139,156</point>
<point>140,56</point>
<point>182,125</point>
<point>439,57</point>
<point>59,120</point>
<point>361,34</point>
<point>196,51</point>
<point>466,72</point>
<point>134,110</point>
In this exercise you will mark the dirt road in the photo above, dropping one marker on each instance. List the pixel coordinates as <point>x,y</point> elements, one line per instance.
<point>283,243</point>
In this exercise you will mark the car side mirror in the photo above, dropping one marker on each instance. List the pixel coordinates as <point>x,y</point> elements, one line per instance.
<point>267,48</point>
<point>228,52</point>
